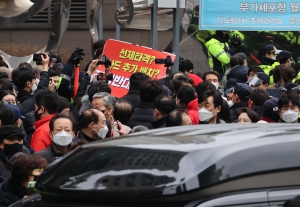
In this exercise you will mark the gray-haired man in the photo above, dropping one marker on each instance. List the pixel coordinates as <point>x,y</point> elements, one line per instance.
<point>105,103</point>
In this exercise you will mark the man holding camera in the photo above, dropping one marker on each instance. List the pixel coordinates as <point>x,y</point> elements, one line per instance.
<point>24,78</point>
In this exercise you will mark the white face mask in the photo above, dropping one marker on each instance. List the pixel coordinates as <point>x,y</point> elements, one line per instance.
<point>289,116</point>
<point>230,103</point>
<point>273,57</point>
<point>34,87</point>
<point>216,85</point>
<point>102,132</point>
<point>205,115</point>
<point>62,138</point>
<point>37,81</point>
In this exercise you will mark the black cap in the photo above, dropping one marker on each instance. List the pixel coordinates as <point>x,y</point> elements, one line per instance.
<point>268,49</point>
<point>243,90</point>
<point>17,112</point>
<point>8,131</point>
<point>271,105</point>
<point>259,78</point>
<point>284,55</point>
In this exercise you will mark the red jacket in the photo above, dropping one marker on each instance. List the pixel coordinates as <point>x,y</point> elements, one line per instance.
<point>41,138</point>
<point>192,110</point>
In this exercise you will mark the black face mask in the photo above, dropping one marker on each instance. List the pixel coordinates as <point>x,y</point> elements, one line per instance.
<point>37,116</point>
<point>11,149</point>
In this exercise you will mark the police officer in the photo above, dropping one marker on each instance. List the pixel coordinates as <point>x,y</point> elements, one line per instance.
<point>268,61</point>
<point>219,51</point>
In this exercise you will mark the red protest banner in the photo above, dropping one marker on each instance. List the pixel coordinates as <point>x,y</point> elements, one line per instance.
<point>126,59</point>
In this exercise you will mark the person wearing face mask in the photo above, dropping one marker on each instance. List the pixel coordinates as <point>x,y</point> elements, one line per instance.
<point>46,106</point>
<point>259,80</point>
<point>219,51</point>
<point>241,93</point>
<point>26,168</point>
<point>11,142</point>
<point>92,124</point>
<point>210,104</point>
<point>62,132</point>
<point>228,95</point>
<point>106,103</point>
<point>288,108</point>
<point>214,78</point>
<point>268,61</point>
<point>25,79</point>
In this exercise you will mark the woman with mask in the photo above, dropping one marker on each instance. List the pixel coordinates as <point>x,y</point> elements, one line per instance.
<point>247,116</point>
<point>11,142</point>
<point>186,99</point>
<point>288,108</point>
<point>210,104</point>
<point>62,132</point>
<point>27,167</point>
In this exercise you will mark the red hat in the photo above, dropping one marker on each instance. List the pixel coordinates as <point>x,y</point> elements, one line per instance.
<point>196,79</point>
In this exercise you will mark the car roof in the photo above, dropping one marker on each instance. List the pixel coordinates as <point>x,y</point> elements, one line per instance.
<point>175,161</point>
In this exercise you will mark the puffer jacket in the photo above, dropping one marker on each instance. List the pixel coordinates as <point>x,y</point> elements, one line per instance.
<point>192,110</point>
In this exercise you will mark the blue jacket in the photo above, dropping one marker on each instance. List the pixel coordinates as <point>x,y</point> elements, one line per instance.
<point>237,74</point>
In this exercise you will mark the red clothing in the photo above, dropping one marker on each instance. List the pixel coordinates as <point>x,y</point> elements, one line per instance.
<point>41,138</point>
<point>192,110</point>
<point>267,119</point>
<point>196,79</point>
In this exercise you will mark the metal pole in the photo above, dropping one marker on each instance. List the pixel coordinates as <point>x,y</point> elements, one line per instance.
<point>101,21</point>
<point>176,32</point>
<point>117,25</point>
<point>153,38</point>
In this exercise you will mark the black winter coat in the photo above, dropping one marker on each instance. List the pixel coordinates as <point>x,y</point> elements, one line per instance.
<point>236,75</point>
<point>50,154</point>
<point>133,96</point>
<point>28,104</point>
<point>160,123</point>
<point>260,110</point>
<point>143,115</point>
<point>5,166</point>
<point>235,109</point>
<point>11,192</point>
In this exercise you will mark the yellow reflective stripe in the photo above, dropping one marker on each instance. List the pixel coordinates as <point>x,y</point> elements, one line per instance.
<point>220,53</point>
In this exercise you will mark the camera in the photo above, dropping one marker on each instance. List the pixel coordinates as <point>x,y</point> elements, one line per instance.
<point>105,76</point>
<point>107,63</point>
<point>104,61</point>
<point>167,61</point>
<point>38,58</point>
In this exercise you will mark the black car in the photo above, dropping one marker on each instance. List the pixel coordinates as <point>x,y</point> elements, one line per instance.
<point>204,166</point>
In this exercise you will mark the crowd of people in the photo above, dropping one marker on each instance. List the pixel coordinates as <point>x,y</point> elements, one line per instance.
<point>41,120</point>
